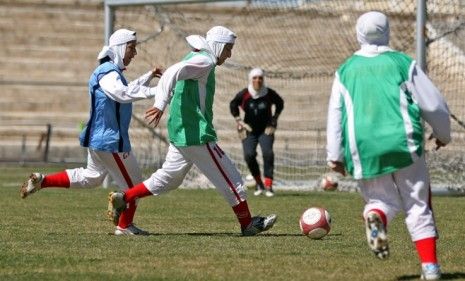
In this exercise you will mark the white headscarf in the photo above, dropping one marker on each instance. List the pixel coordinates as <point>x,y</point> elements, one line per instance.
<point>217,38</point>
<point>263,90</point>
<point>117,46</point>
<point>373,29</point>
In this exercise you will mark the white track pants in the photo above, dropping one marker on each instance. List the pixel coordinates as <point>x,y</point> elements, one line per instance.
<point>210,160</point>
<point>122,167</point>
<point>406,190</point>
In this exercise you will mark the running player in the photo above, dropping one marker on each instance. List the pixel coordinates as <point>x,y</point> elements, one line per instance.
<point>189,88</point>
<point>258,127</point>
<point>106,134</point>
<point>379,100</point>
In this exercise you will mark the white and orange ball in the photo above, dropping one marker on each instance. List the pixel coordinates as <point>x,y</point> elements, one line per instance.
<point>315,223</point>
<point>329,182</point>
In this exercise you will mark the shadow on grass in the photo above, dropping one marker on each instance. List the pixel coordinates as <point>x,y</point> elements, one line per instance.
<point>235,234</point>
<point>444,276</point>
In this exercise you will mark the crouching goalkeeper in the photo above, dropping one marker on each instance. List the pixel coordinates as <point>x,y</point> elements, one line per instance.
<point>258,127</point>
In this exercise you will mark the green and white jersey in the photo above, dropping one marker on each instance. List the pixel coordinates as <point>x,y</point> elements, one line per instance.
<point>189,88</point>
<point>380,123</point>
<point>191,110</point>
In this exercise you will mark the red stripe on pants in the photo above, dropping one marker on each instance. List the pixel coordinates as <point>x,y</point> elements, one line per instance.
<point>128,215</point>
<point>123,170</point>
<point>231,185</point>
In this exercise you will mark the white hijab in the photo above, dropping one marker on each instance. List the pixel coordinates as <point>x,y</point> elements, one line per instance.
<point>373,32</point>
<point>217,37</point>
<point>117,46</point>
<point>263,90</point>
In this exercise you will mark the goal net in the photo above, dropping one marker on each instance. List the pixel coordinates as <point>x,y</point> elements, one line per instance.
<point>299,43</point>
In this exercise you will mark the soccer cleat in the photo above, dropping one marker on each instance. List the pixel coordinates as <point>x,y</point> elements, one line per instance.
<point>130,230</point>
<point>259,190</point>
<point>116,205</point>
<point>259,224</point>
<point>377,236</point>
<point>269,193</point>
<point>33,184</point>
<point>430,271</point>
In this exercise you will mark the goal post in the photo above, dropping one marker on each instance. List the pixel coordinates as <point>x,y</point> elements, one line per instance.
<point>110,5</point>
<point>300,44</point>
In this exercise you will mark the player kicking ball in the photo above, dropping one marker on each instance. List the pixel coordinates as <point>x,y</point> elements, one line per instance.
<point>189,88</point>
<point>379,100</point>
<point>106,134</point>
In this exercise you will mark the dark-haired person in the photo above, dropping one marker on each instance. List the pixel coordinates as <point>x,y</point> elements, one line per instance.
<point>106,134</point>
<point>258,127</point>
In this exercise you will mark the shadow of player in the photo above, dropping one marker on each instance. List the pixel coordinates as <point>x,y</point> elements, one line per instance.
<point>444,276</point>
<point>236,234</point>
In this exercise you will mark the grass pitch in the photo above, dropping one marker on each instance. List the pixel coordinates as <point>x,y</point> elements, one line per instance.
<point>64,235</point>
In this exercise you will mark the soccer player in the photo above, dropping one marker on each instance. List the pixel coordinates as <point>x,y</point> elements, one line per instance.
<point>189,87</point>
<point>379,100</point>
<point>106,134</point>
<point>258,127</point>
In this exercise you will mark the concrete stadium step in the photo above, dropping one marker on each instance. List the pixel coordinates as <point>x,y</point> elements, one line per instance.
<point>56,118</point>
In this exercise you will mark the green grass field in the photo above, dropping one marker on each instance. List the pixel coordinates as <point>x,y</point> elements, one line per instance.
<point>64,235</point>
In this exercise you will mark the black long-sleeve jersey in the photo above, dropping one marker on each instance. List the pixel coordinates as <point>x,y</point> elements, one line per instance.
<point>258,112</point>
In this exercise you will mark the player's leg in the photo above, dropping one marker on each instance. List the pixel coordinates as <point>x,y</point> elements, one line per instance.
<point>266,144</point>
<point>249,146</point>
<point>382,203</point>
<point>124,170</point>
<point>223,174</point>
<point>169,177</point>
<point>414,187</point>
<point>90,176</point>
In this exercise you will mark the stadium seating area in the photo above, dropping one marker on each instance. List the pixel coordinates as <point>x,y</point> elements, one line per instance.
<point>50,46</point>
<point>48,49</point>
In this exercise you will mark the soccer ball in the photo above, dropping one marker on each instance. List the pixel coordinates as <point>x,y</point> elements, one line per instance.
<point>329,182</point>
<point>315,223</point>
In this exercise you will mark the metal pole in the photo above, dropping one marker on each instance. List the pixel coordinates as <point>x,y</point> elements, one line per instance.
<point>47,142</point>
<point>109,21</point>
<point>421,30</point>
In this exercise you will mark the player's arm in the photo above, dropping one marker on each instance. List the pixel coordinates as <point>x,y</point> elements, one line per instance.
<point>434,109</point>
<point>138,89</point>
<point>194,68</point>
<point>334,150</point>
<point>279,105</point>
<point>242,127</point>
<point>235,104</point>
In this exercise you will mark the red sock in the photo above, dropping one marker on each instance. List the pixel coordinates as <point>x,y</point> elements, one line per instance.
<point>426,249</point>
<point>381,214</point>
<point>60,179</point>
<point>137,191</point>
<point>268,183</point>
<point>243,214</point>
<point>258,180</point>
<point>127,216</point>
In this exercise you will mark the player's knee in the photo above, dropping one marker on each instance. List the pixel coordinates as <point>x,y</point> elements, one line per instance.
<point>93,180</point>
<point>250,156</point>
<point>268,155</point>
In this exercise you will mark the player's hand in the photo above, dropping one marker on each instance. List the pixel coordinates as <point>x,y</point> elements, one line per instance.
<point>241,125</point>
<point>158,71</point>
<point>270,130</point>
<point>153,116</point>
<point>337,167</point>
